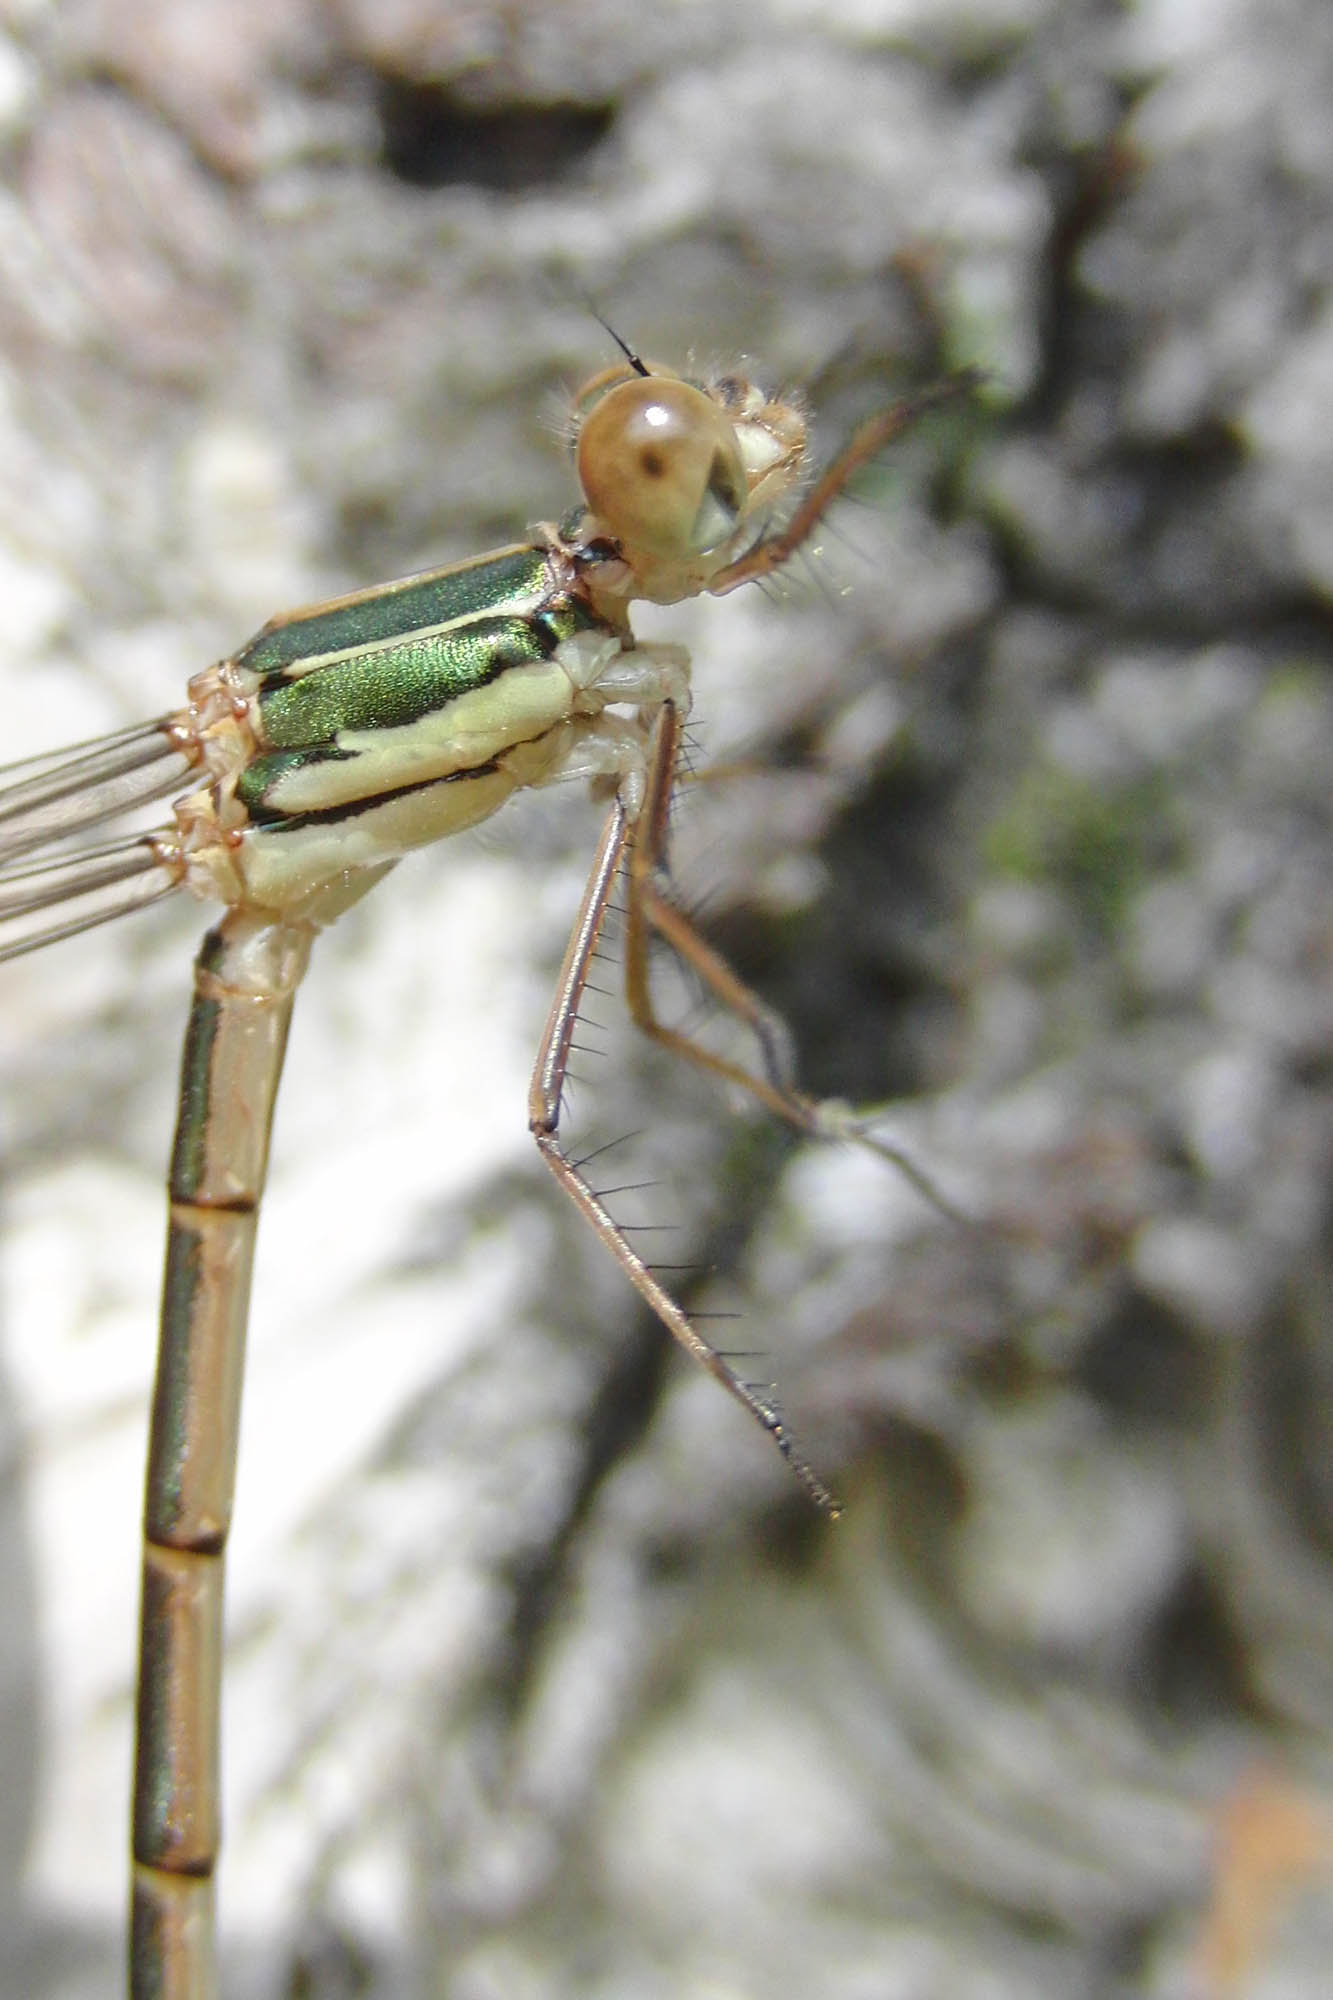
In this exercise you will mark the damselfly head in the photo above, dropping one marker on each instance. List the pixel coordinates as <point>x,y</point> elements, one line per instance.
<point>678,472</point>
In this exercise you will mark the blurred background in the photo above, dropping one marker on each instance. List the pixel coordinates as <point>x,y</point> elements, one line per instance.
<point>543,1678</point>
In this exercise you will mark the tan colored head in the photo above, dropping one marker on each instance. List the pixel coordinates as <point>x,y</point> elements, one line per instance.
<point>682,475</point>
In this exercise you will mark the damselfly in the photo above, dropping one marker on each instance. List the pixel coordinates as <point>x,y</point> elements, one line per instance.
<point>339,738</point>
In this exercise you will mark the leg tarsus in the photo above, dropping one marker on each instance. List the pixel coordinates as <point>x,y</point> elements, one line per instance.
<point>832,1118</point>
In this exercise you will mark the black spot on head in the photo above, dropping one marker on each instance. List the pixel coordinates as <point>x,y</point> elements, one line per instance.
<point>651,463</point>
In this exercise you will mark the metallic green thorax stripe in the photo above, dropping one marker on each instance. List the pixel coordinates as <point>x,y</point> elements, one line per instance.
<point>394,685</point>
<point>514,579</point>
<point>386,659</point>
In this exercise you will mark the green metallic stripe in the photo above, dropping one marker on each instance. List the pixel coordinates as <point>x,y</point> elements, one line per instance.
<point>273,820</point>
<point>184,1280</point>
<point>189,1149</point>
<point>394,685</point>
<point>516,579</point>
<point>176,1825</point>
<point>265,774</point>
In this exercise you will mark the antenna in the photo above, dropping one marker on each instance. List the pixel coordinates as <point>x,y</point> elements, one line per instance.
<point>635,363</point>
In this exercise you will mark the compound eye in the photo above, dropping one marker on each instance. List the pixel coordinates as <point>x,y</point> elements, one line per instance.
<point>661,469</point>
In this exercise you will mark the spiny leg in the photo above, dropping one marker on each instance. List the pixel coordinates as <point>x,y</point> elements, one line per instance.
<point>544,1103</point>
<point>649,908</point>
<point>771,551</point>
